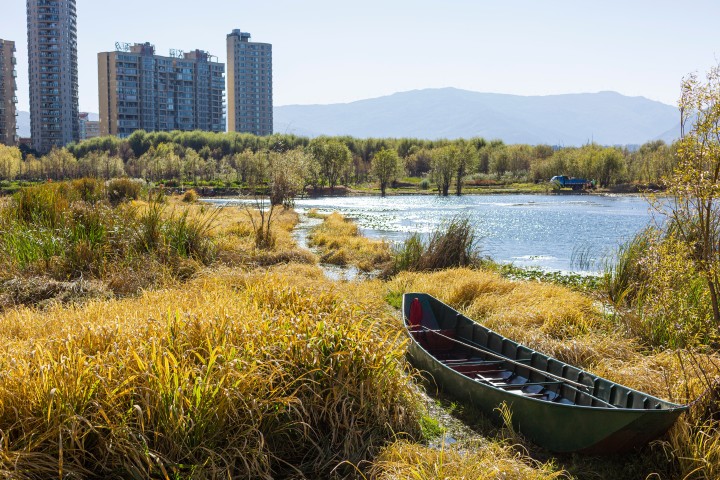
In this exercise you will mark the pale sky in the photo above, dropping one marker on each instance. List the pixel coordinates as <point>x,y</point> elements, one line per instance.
<point>329,51</point>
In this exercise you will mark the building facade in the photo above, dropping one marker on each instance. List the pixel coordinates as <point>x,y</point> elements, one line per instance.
<point>53,73</point>
<point>88,128</point>
<point>250,104</point>
<point>142,91</point>
<point>8,89</point>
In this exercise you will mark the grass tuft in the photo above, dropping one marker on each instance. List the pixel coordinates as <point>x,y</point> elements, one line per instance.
<point>340,243</point>
<point>453,244</point>
<point>190,196</point>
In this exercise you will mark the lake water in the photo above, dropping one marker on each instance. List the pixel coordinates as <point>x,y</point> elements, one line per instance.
<point>550,232</point>
<point>576,233</point>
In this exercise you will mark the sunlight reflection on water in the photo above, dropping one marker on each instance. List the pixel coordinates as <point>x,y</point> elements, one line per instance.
<point>542,231</point>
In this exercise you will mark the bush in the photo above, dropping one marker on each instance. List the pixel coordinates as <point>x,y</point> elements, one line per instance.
<point>121,190</point>
<point>90,190</point>
<point>190,196</point>
<point>663,298</point>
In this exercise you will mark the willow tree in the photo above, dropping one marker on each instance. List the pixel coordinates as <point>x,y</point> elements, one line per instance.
<point>286,179</point>
<point>385,167</point>
<point>333,158</point>
<point>694,185</point>
<point>444,165</point>
<point>465,162</point>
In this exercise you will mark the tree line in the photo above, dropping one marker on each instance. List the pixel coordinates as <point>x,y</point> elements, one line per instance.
<point>244,159</point>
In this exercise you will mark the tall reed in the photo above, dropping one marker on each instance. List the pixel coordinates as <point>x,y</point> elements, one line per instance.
<point>452,244</point>
<point>660,296</point>
<point>72,230</point>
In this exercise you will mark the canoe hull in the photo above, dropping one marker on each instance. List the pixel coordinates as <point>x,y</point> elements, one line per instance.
<point>558,427</point>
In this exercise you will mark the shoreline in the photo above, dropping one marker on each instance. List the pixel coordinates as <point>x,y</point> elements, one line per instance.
<point>354,193</point>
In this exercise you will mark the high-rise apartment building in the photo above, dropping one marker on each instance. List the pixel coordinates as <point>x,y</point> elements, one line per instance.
<point>8,87</point>
<point>250,104</point>
<point>143,91</point>
<point>53,72</point>
<point>88,128</point>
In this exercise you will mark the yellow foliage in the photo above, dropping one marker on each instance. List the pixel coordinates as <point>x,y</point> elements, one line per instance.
<point>231,375</point>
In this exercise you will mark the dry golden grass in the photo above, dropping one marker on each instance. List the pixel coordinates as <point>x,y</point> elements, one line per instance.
<point>341,244</point>
<point>549,318</point>
<point>231,375</point>
<point>235,238</point>
<point>231,225</point>
<point>486,461</point>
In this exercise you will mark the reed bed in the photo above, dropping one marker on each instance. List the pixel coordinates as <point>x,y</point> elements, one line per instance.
<point>452,244</point>
<point>71,230</point>
<point>275,371</point>
<point>70,233</point>
<point>254,375</point>
<point>340,243</point>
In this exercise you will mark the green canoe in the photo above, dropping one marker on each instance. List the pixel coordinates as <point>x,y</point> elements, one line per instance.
<point>557,406</point>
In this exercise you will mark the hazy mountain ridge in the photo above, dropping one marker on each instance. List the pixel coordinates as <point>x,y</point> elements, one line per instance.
<point>607,118</point>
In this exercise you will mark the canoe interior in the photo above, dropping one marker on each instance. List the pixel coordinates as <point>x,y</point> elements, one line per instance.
<point>443,331</point>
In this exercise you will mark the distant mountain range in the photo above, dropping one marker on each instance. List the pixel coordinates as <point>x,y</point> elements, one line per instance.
<point>607,118</point>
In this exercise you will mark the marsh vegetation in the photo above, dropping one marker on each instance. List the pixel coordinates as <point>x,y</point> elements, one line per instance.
<point>205,356</point>
<point>145,336</point>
